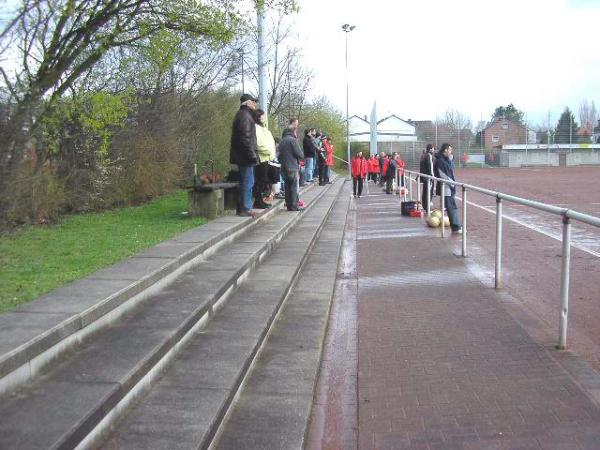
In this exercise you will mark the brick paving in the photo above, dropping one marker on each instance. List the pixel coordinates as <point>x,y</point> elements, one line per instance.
<point>441,362</point>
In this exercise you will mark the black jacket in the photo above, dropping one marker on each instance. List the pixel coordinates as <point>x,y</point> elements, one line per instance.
<point>243,138</point>
<point>425,165</point>
<point>290,152</point>
<point>309,147</point>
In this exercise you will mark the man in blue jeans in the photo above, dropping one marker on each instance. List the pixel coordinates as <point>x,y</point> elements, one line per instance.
<point>243,151</point>
<point>309,154</point>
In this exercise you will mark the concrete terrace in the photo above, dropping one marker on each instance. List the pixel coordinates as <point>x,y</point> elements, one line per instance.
<point>343,326</point>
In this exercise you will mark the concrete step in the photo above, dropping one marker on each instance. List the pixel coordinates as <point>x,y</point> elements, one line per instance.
<point>37,333</point>
<point>89,386</point>
<point>186,407</point>
<point>273,408</point>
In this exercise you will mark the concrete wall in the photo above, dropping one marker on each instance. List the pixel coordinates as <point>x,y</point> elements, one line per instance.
<point>545,158</point>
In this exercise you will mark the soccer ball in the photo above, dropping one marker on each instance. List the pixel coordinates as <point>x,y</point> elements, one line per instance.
<point>436,213</point>
<point>433,221</point>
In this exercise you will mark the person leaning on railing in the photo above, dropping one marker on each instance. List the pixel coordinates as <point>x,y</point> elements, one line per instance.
<point>444,169</point>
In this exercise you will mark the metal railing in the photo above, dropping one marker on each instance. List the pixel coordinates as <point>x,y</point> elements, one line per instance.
<point>567,216</point>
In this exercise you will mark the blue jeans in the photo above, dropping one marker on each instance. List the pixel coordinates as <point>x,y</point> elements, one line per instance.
<point>450,204</point>
<point>246,186</point>
<point>309,168</point>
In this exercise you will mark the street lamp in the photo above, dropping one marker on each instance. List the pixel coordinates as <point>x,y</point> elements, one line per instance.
<point>347,28</point>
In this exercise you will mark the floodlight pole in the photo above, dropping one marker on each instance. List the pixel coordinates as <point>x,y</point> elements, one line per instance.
<point>347,28</point>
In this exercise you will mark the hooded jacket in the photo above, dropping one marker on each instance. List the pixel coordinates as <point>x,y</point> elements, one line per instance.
<point>265,143</point>
<point>243,150</point>
<point>290,152</point>
<point>444,169</point>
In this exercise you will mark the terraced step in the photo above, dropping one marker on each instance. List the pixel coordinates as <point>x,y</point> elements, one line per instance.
<point>186,407</point>
<point>91,385</point>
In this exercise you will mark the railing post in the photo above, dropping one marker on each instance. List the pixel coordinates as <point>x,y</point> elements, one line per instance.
<point>409,186</point>
<point>442,201</point>
<point>564,283</point>
<point>498,277</point>
<point>428,197</point>
<point>464,221</point>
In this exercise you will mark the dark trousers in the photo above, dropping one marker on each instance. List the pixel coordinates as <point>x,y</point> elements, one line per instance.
<point>389,183</point>
<point>450,204</point>
<point>424,194</point>
<point>357,182</point>
<point>291,188</point>
<point>261,178</point>
<point>322,169</point>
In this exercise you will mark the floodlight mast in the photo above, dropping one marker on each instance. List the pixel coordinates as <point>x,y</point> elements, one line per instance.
<point>347,28</point>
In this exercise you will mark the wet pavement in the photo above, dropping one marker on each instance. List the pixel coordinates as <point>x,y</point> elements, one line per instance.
<point>444,360</point>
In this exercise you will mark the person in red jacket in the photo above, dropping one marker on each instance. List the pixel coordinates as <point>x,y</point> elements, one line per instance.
<point>374,168</point>
<point>400,165</point>
<point>359,173</point>
<point>329,160</point>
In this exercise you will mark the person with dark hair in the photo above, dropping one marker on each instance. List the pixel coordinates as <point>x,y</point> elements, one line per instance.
<point>321,158</point>
<point>426,168</point>
<point>309,154</point>
<point>359,173</point>
<point>243,151</point>
<point>444,169</point>
<point>290,155</point>
<point>390,173</point>
<point>382,160</point>
<point>266,152</point>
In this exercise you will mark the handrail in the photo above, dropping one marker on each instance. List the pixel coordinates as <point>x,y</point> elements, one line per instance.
<point>341,159</point>
<point>566,214</point>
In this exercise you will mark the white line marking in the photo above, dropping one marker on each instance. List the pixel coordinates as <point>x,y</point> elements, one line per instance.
<point>526,225</point>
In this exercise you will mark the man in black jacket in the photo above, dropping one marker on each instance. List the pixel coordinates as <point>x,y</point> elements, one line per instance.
<point>243,151</point>
<point>309,154</point>
<point>290,155</point>
<point>426,168</point>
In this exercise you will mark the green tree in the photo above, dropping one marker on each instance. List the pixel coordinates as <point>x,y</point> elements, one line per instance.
<point>510,113</point>
<point>566,128</point>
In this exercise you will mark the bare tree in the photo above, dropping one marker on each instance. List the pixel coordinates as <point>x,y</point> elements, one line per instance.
<point>588,115</point>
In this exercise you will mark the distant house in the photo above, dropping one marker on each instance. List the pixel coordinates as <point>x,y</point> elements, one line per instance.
<point>596,135</point>
<point>392,132</point>
<point>502,131</point>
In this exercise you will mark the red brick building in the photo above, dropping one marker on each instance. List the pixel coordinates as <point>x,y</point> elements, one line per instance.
<point>503,132</point>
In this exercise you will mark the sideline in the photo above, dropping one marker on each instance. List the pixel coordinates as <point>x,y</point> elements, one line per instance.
<point>531,227</point>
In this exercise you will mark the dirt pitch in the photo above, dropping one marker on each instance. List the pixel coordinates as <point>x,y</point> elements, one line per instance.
<point>532,248</point>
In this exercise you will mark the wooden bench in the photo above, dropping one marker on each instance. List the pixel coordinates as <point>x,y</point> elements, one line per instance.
<point>211,200</point>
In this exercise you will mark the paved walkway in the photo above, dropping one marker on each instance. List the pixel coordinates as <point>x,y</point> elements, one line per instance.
<point>441,363</point>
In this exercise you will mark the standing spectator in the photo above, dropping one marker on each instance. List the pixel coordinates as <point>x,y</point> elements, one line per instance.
<point>390,174</point>
<point>316,137</point>
<point>321,158</point>
<point>464,159</point>
<point>374,168</point>
<point>243,151</point>
<point>290,155</point>
<point>359,173</point>
<point>309,154</point>
<point>444,169</point>
<point>329,160</point>
<point>265,145</point>
<point>426,168</point>
<point>400,167</point>
<point>382,160</point>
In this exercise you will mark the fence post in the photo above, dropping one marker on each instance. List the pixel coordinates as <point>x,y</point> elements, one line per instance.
<point>428,197</point>
<point>410,192</point>
<point>464,221</point>
<point>498,277</point>
<point>564,283</point>
<point>442,201</point>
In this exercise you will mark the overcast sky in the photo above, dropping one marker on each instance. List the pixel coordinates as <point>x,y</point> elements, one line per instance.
<point>419,58</point>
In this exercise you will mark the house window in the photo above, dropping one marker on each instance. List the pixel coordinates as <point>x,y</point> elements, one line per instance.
<point>505,126</point>
<point>495,139</point>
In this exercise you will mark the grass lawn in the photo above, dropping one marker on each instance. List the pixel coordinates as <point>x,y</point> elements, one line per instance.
<point>38,259</point>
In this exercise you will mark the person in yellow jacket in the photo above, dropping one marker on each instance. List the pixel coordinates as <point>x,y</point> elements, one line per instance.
<point>265,144</point>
